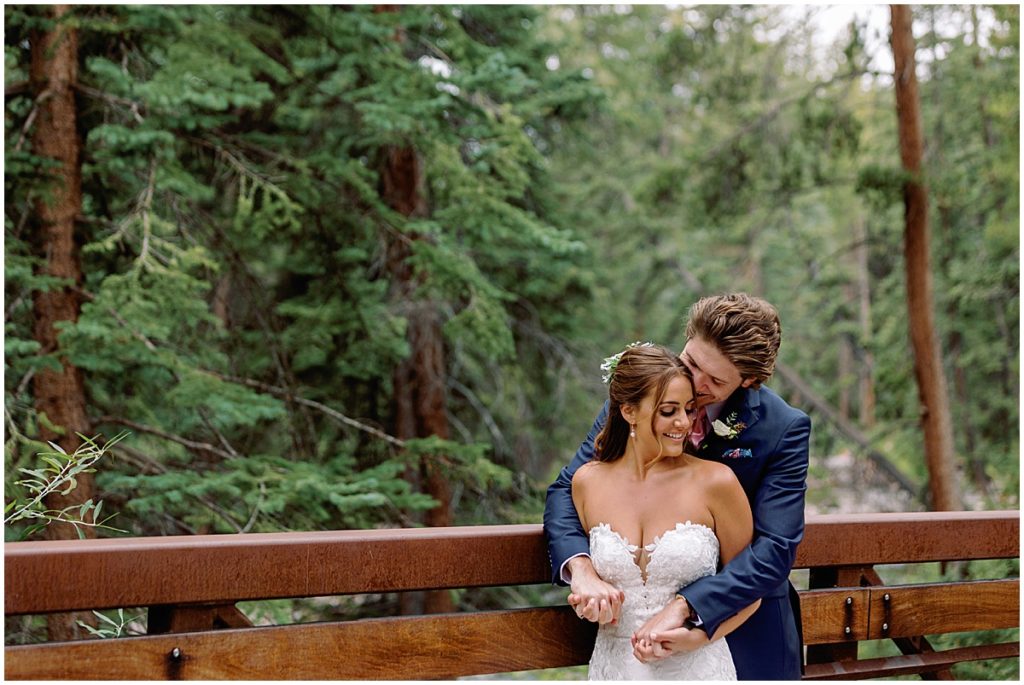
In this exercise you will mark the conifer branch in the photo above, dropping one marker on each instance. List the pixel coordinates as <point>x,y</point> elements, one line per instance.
<point>140,459</point>
<point>19,88</point>
<point>31,118</point>
<point>146,461</point>
<point>216,431</point>
<point>266,387</point>
<point>147,214</point>
<point>117,317</point>
<point>24,382</point>
<point>334,414</point>
<point>142,428</point>
<point>255,509</point>
<point>13,427</point>
<point>132,105</point>
<point>9,313</point>
<point>485,415</point>
<point>765,118</point>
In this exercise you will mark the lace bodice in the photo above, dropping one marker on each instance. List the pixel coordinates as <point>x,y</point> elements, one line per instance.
<point>678,557</point>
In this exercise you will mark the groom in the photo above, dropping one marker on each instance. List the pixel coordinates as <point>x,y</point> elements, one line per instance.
<point>732,343</point>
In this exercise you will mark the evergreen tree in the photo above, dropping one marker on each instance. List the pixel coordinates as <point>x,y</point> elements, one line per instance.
<point>239,315</point>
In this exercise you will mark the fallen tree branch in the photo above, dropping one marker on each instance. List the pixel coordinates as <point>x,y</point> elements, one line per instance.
<point>847,428</point>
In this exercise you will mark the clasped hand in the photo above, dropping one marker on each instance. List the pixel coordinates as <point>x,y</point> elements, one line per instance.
<point>591,597</point>
<point>664,634</point>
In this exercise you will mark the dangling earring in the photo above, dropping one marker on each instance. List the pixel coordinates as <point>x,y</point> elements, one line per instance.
<point>632,430</point>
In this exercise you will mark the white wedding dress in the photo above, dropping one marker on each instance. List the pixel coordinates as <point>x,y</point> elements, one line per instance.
<point>681,555</point>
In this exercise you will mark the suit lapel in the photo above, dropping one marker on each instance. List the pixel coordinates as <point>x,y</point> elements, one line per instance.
<point>744,404</point>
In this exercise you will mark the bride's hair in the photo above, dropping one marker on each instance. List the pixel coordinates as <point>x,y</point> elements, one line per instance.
<point>641,371</point>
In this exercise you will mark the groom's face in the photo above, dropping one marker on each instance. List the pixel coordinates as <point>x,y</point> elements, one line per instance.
<point>714,376</point>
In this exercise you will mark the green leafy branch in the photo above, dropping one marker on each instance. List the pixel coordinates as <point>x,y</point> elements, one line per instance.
<point>60,475</point>
<point>116,628</point>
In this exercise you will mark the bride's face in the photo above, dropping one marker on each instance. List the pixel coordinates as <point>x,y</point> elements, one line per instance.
<point>666,434</point>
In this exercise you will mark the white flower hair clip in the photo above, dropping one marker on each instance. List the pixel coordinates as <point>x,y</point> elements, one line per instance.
<point>610,363</point>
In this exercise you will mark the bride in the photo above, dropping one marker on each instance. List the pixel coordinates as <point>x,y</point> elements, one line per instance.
<point>658,520</point>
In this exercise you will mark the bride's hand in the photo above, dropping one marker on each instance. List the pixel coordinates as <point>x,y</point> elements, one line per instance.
<point>591,597</point>
<point>667,621</point>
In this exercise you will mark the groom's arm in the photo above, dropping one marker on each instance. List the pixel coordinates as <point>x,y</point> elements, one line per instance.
<point>778,510</point>
<point>565,534</point>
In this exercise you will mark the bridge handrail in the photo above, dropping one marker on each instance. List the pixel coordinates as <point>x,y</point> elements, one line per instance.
<point>190,585</point>
<point>129,572</point>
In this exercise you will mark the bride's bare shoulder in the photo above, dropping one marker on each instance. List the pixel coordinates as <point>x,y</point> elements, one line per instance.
<point>588,473</point>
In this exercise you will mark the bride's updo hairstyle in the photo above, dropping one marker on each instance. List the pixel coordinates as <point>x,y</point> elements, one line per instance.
<point>641,370</point>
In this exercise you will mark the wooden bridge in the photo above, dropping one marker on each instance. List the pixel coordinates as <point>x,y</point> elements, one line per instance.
<point>190,585</point>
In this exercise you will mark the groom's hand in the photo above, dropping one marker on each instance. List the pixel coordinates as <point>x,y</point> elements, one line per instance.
<point>649,643</point>
<point>674,641</point>
<point>591,597</point>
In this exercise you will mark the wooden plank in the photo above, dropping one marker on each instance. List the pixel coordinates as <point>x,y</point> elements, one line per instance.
<point>907,645</point>
<point>909,664</point>
<point>132,572</point>
<point>825,650</point>
<point>915,610</point>
<point>414,648</point>
<point>136,572</point>
<point>937,608</point>
<point>826,615</point>
<point>868,539</point>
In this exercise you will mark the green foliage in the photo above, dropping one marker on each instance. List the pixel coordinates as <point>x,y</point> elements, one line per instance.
<point>109,627</point>
<point>239,302</point>
<point>27,513</point>
<point>264,493</point>
<point>734,155</point>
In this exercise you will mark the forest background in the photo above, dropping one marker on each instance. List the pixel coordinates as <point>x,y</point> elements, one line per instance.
<point>346,267</point>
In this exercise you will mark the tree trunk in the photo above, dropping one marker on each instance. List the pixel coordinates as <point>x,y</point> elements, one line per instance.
<point>59,395</point>
<point>419,382</point>
<point>866,368</point>
<point>845,364</point>
<point>420,405</point>
<point>931,382</point>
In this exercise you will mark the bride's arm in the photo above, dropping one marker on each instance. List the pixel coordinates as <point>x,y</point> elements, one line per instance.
<point>591,597</point>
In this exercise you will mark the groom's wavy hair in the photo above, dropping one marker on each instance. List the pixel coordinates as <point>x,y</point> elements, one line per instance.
<point>641,371</point>
<point>745,329</point>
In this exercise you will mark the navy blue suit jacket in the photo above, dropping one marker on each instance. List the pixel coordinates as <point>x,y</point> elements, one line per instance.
<point>769,457</point>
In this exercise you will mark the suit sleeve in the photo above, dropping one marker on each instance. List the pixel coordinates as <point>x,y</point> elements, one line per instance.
<point>565,535</point>
<point>778,512</point>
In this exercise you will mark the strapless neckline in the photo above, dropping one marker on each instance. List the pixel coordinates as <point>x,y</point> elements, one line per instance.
<point>652,546</point>
<point>657,538</point>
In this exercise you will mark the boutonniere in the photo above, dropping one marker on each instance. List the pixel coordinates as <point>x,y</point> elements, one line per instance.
<point>729,428</point>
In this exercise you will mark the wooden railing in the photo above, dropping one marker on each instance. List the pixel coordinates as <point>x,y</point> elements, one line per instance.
<point>190,585</point>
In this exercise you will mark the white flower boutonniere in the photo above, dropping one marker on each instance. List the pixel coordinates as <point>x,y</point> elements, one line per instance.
<point>729,428</point>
